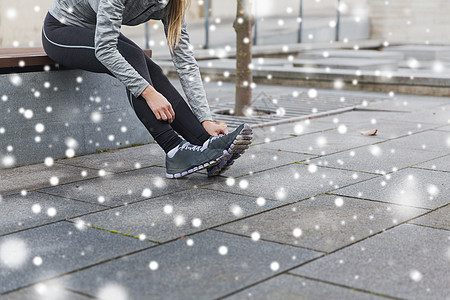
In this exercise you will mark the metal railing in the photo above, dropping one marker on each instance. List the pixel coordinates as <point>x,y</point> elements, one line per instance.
<point>338,19</point>
<point>147,35</point>
<point>300,22</point>
<point>207,15</point>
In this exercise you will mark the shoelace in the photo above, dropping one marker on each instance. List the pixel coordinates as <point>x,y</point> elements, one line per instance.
<point>189,146</point>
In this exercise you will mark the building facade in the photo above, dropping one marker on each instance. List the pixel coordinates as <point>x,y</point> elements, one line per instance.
<point>412,21</point>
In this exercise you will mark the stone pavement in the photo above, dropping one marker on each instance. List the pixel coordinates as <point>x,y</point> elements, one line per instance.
<point>313,210</point>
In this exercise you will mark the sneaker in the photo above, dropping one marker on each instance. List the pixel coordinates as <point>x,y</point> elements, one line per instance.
<point>235,142</point>
<point>187,158</point>
<point>241,137</point>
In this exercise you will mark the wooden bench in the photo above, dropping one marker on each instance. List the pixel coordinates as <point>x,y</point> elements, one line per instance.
<point>28,58</point>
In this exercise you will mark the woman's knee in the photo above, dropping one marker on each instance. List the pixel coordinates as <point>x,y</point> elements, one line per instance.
<point>156,72</point>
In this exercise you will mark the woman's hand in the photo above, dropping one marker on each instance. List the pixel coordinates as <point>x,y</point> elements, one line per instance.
<point>214,128</point>
<point>158,104</point>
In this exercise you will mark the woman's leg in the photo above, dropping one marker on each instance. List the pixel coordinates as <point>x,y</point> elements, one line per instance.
<point>185,123</point>
<point>74,47</point>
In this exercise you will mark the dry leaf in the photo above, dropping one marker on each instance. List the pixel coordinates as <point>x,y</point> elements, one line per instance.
<point>370,132</point>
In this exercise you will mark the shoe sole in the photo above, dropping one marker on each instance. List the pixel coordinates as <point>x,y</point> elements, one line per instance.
<point>219,160</point>
<point>237,148</point>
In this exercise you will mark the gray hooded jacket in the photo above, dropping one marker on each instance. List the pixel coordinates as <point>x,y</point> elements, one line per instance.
<point>106,18</point>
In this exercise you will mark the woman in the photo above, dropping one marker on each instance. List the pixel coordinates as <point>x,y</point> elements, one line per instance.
<point>85,34</point>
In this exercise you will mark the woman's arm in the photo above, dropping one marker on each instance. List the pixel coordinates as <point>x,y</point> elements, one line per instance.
<point>109,21</point>
<point>189,74</point>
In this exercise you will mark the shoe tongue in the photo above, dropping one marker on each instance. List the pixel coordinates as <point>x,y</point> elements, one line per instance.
<point>172,152</point>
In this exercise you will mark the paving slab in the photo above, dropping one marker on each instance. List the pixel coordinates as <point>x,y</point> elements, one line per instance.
<point>380,158</point>
<point>405,103</point>
<point>128,186</point>
<point>444,128</point>
<point>38,176</point>
<point>364,117</point>
<point>324,226</point>
<point>320,143</point>
<point>22,212</point>
<point>409,262</point>
<point>256,159</point>
<point>191,272</point>
<point>353,124</point>
<point>62,247</point>
<point>390,129</point>
<point>268,134</point>
<point>289,287</point>
<point>151,218</point>
<point>412,187</point>
<point>439,218</point>
<point>429,140</point>
<point>121,159</point>
<point>43,291</point>
<point>290,183</point>
<point>439,115</point>
<point>440,164</point>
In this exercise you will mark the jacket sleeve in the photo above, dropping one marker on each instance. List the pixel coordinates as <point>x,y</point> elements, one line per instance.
<point>189,74</point>
<point>109,21</point>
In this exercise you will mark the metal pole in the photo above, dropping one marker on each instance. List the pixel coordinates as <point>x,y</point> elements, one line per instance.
<point>255,33</point>
<point>207,5</point>
<point>338,19</point>
<point>147,35</point>
<point>300,24</point>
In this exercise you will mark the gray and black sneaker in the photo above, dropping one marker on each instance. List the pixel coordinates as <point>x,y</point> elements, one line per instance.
<point>187,158</point>
<point>235,142</point>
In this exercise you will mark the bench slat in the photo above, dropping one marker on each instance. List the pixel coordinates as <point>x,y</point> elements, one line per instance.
<point>10,57</point>
<point>36,56</point>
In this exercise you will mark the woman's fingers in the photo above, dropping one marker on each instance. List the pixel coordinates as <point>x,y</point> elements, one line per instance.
<point>169,114</point>
<point>222,129</point>
<point>163,116</point>
<point>157,115</point>
<point>162,109</point>
<point>169,117</point>
<point>225,129</point>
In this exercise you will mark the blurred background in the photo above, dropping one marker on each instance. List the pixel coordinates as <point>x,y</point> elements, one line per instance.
<point>394,21</point>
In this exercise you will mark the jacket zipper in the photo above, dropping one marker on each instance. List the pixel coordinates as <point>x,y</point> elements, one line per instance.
<point>141,13</point>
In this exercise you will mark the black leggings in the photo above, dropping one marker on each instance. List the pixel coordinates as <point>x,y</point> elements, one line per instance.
<point>73,47</point>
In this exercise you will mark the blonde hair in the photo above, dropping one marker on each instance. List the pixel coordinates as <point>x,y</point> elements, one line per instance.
<point>176,10</point>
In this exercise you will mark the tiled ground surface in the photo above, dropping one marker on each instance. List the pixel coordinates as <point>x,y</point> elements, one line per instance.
<point>313,210</point>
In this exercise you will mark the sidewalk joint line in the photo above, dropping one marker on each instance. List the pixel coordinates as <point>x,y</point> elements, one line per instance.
<point>269,241</point>
<point>342,286</point>
<point>429,226</point>
<point>379,201</point>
